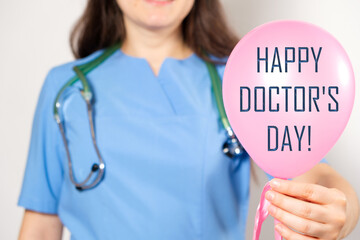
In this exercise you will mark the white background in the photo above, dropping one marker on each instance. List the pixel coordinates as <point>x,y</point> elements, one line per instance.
<point>34,38</point>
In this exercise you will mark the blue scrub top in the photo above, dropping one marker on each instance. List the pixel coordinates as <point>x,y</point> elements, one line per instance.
<point>161,139</point>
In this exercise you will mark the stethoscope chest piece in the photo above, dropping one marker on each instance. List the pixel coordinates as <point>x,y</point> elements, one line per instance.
<point>233,149</point>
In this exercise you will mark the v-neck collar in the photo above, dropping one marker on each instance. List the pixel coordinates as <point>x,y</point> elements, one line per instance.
<point>163,64</point>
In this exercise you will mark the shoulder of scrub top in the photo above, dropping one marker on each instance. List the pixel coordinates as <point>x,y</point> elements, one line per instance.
<point>322,161</point>
<point>220,67</point>
<point>61,73</point>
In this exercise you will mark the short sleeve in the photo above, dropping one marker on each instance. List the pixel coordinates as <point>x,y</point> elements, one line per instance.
<point>321,161</point>
<point>43,173</point>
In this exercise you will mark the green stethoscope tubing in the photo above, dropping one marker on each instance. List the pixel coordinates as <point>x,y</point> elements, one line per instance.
<point>231,148</point>
<point>85,68</point>
<point>216,87</point>
<point>81,71</point>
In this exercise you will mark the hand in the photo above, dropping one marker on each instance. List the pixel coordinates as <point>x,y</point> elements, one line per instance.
<point>307,211</point>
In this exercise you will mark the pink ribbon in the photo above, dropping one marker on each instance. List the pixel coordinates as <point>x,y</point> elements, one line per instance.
<point>262,213</point>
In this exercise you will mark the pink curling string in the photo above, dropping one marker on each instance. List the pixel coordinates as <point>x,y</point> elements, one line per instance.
<point>261,215</point>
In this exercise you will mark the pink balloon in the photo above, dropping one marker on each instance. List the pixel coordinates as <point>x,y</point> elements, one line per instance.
<point>289,107</point>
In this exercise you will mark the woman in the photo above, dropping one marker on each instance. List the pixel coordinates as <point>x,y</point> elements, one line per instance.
<point>158,131</point>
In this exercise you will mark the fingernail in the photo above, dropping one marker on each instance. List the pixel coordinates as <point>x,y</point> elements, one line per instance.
<point>279,228</point>
<point>275,183</point>
<point>269,195</point>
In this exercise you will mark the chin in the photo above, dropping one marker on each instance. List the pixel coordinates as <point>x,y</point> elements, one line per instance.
<point>158,21</point>
<point>157,13</point>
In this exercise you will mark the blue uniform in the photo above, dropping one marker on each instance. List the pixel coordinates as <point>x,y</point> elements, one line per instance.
<point>161,140</point>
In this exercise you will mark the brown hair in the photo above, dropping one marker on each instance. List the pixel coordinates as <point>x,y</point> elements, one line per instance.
<point>204,29</point>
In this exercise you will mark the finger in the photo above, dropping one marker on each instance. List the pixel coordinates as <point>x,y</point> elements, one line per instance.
<point>298,207</point>
<point>307,191</point>
<point>305,226</point>
<point>289,234</point>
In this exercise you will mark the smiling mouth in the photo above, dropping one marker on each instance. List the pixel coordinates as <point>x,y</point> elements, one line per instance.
<point>159,2</point>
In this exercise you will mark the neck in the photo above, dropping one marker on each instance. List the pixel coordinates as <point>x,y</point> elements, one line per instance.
<point>154,44</point>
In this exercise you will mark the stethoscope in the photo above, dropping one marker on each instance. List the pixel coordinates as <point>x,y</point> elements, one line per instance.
<point>231,148</point>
